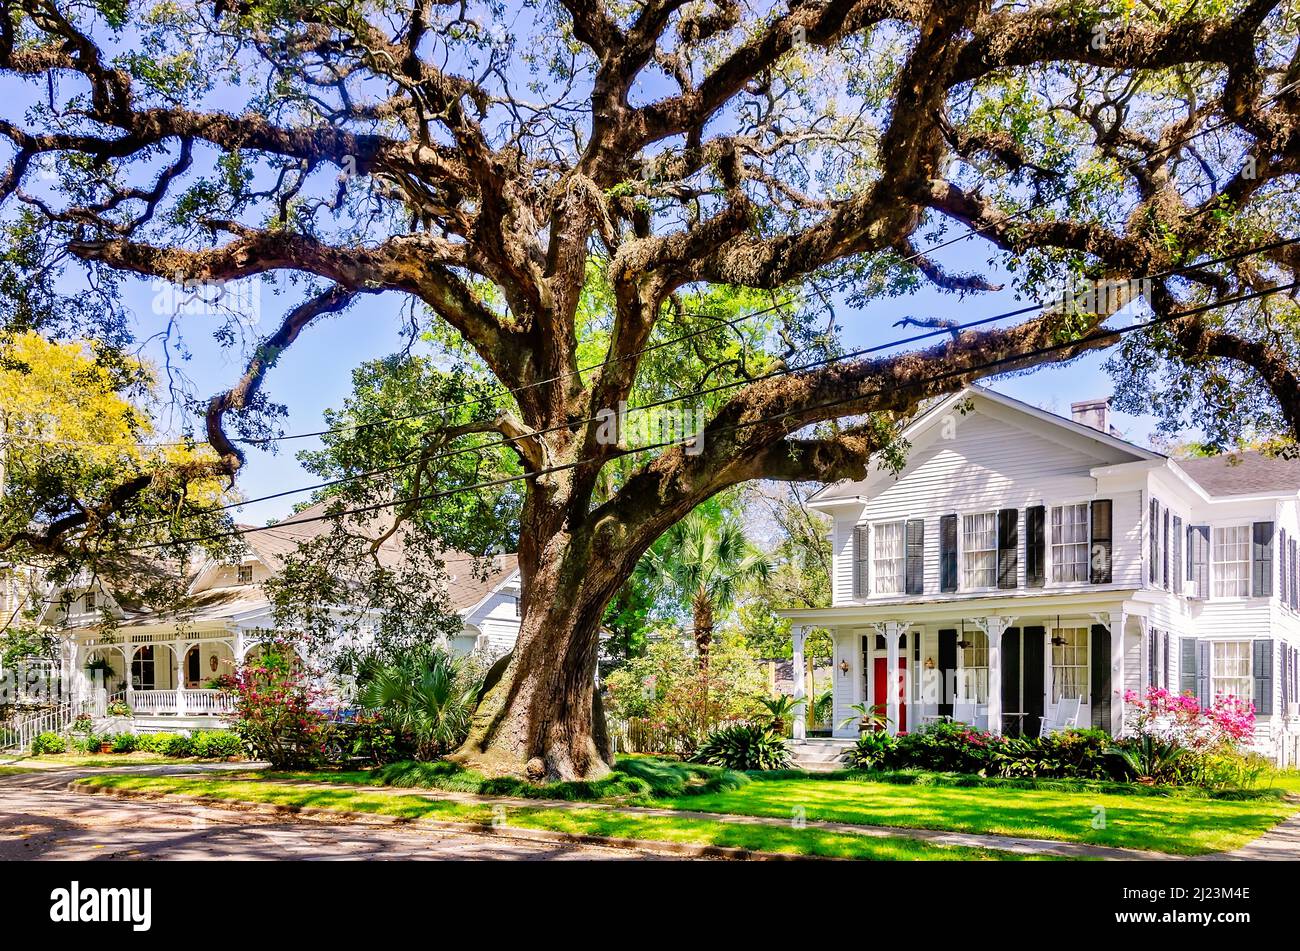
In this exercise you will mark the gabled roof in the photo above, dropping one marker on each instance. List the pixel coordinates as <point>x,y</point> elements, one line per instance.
<point>1243,473</point>
<point>933,415</point>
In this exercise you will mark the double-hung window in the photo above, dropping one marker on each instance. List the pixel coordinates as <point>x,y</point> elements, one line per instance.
<point>979,555</point>
<point>1232,561</point>
<point>1230,669</point>
<point>1070,664</point>
<point>973,675</point>
<point>1070,542</point>
<point>888,557</point>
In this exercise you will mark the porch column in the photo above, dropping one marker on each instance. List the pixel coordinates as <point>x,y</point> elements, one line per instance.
<point>892,687</point>
<point>797,672</point>
<point>993,628</point>
<point>1118,621</point>
<point>128,661</point>
<point>179,660</point>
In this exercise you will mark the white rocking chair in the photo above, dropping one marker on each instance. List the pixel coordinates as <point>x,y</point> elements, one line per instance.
<point>1065,717</point>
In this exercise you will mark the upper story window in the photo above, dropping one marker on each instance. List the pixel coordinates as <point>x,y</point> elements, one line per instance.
<point>88,601</point>
<point>888,557</point>
<point>245,574</point>
<point>1070,542</point>
<point>1230,669</point>
<point>1070,675</point>
<point>1232,561</point>
<point>979,564</point>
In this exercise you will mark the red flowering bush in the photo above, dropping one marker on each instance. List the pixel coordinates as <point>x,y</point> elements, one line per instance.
<point>275,715</point>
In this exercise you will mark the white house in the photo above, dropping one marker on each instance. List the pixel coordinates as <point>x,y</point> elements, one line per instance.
<point>163,662</point>
<point>1021,559</point>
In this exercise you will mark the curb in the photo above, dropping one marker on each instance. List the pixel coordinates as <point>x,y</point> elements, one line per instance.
<point>678,849</point>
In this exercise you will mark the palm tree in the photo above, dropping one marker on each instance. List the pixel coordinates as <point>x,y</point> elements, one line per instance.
<point>422,694</point>
<point>703,563</point>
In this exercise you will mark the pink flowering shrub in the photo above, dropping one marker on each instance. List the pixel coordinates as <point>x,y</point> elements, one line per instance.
<point>1180,719</point>
<point>275,715</point>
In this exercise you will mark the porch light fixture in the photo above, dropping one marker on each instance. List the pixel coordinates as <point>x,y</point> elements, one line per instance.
<point>844,667</point>
<point>929,663</point>
<point>1058,640</point>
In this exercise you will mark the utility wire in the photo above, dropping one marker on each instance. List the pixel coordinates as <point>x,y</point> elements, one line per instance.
<point>573,424</point>
<point>857,397</point>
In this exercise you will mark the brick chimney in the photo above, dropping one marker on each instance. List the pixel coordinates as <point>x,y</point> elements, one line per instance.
<point>1092,413</point>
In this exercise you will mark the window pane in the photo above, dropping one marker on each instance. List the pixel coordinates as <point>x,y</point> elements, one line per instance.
<point>887,565</point>
<point>1232,561</point>
<point>1070,674</point>
<point>1231,674</point>
<point>973,679</point>
<point>1070,542</point>
<point>980,550</point>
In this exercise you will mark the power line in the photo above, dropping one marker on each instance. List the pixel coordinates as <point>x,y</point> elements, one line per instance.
<point>857,397</point>
<point>826,361</point>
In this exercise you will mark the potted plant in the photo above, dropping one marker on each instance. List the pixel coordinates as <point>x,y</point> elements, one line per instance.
<point>870,718</point>
<point>119,708</point>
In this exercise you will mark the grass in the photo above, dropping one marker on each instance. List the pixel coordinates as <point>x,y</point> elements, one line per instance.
<point>682,829</point>
<point>1163,819</point>
<point>1177,824</point>
<point>109,760</point>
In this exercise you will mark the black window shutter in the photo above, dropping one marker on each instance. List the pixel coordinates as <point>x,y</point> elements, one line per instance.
<point>1008,546</point>
<point>1035,546</point>
<point>1100,677</point>
<point>914,570</point>
<point>948,553</point>
<point>1203,672</point>
<point>1295,571</point>
<point>1153,651</point>
<point>1284,662</point>
<point>1164,549</point>
<point>947,670</point>
<point>1187,665</point>
<point>1011,682</point>
<point>1261,575</point>
<point>860,572</point>
<point>1153,555</point>
<point>1179,569</point>
<point>1100,558</point>
<point>1264,677</point>
<point>1281,565</point>
<point>1198,547</point>
<point>1034,645</point>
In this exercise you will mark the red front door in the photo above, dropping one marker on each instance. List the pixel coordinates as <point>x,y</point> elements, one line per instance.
<point>881,699</point>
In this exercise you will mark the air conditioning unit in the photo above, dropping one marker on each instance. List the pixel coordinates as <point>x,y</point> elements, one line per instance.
<point>1293,709</point>
<point>1189,589</point>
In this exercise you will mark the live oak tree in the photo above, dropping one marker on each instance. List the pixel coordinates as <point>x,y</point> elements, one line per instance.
<point>483,159</point>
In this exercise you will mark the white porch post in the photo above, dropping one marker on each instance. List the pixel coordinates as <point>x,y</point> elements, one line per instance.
<point>797,672</point>
<point>1118,621</point>
<point>892,687</point>
<point>128,661</point>
<point>179,659</point>
<point>993,628</point>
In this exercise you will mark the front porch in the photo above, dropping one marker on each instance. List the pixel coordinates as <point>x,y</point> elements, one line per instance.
<point>1000,671</point>
<point>164,677</point>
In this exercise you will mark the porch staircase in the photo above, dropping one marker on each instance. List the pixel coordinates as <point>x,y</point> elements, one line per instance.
<point>819,754</point>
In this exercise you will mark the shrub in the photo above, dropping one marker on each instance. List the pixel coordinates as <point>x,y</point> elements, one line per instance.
<point>178,746</point>
<point>124,743</point>
<point>49,742</point>
<point>873,751</point>
<point>1068,754</point>
<point>947,748</point>
<point>154,742</point>
<point>90,743</point>
<point>421,694</point>
<point>745,746</point>
<point>216,744</point>
<point>274,713</point>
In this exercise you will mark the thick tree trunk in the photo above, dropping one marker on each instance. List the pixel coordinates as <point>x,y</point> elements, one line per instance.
<point>703,620</point>
<point>537,719</point>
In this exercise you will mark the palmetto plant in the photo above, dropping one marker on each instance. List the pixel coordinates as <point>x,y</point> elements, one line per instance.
<point>703,563</point>
<point>867,717</point>
<point>421,694</point>
<point>780,708</point>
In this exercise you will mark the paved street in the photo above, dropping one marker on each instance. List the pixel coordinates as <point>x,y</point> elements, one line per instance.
<point>40,819</point>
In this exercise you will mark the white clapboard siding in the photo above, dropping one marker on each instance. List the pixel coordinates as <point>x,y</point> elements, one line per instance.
<point>989,464</point>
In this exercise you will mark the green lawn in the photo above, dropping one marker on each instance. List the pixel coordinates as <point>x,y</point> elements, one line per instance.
<point>107,760</point>
<point>1176,821</point>
<point>1186,826</point>
<point>785,839</point>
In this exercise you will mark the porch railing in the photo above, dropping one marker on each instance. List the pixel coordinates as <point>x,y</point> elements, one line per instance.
<point>19,736</point>
<point>191,703</point>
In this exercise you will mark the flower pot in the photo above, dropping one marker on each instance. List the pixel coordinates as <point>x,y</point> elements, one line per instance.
<point>106,747</point>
